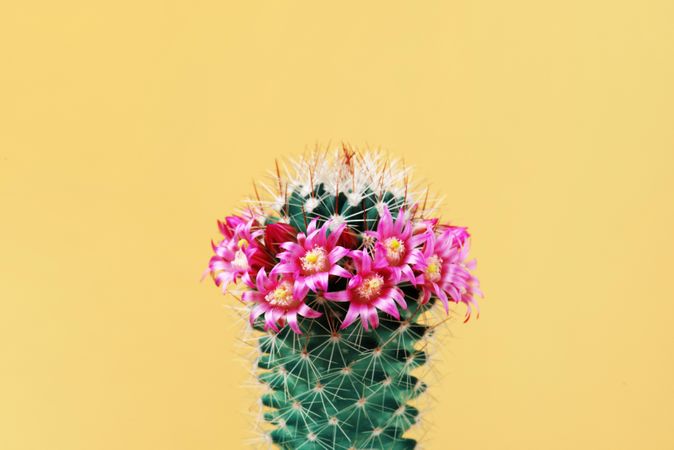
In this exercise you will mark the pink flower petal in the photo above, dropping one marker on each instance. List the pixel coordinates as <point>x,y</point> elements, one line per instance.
<point>388,306</point>
<point>270,319</point>
<point>300,290</point>
<point>336,254</point>
<point>261,280</point>
<point>256,312</point>
<point>306,311</point>
<point>351,315</point>
<point>284,268</point>
<point>322,280</point>
<point>385,226</point>
<point>355,281</point>
<point>373,317</point>
<point>397,295</point>
<point>338,296</point>
<point>408,274</point>
<point>442,296</point>
<point>292,321</point>
<point>364,318</point>
<point>340,272</point>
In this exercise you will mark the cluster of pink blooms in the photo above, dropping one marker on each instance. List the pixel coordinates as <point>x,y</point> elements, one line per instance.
<point>281,267</point>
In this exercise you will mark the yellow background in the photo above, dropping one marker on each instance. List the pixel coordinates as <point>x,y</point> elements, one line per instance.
<point>129,127</point>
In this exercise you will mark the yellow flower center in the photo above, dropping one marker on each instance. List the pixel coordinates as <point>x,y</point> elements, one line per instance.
<point>281,296</point>
<point>243,243</point>
<point>434,268</point>
<point>311,258</point>
<point>314,261</point>
<point>370,287</point>
<point>395,250</point>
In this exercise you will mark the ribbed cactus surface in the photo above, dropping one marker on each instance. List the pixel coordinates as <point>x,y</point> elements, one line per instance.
<point>343,389</point>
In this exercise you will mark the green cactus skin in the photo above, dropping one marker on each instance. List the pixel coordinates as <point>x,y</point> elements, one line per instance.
<point>343,389</point>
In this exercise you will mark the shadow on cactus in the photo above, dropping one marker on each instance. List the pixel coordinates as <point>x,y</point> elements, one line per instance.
<point>340,270</point>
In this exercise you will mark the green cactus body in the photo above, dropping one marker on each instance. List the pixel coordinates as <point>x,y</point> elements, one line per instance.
<point>343,389</point>
<point>347,389</point>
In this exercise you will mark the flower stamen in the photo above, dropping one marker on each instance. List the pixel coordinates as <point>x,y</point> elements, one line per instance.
<point>370,287</point>
<point>281,296</point>
<point>314,261</point>
<point>433,271</point>
<point>395,250</point>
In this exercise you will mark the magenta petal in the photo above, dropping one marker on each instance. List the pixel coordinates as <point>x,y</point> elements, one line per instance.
<point>306,311</point>
<point>351,315</point>
<point>261,280</point>
<point>364,318</point>
<point>426,295</point>
<point>414,257</point>
<point>246,279</point>
<point>256,312</point>
<point>284,268</point>
<point>338,296</point>
<point>311,282</point>
<point>336,254</point>
<point>301,240</point>
<point>442,296</point>
<point>429,248</point>
<point>218,265</point>
<point>453,292</point>
<point>292,321</point>
<point>355,282</point>
<point>408,274</point>
<point>322,280</point>
<point>385,226</point>
<point>223,278</point>
<point>419,239</point>
<point>270,319</point>
<point>373,317</point>
<point>388,306</point>
<point>380,261</point>
<point>290,246</point>
<point>365,263</point>
<point>340,272</point>
<point>300,290</point>
<point>397,295</point>
<point>312,226</point>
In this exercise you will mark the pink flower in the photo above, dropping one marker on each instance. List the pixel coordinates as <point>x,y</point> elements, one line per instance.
<point>459,234</point>
<point>444,271</point>
<point>280,299</point>
<point>369,290</point>
<point>313,258</point>
<point>396,246</point>
<point>238,254</point>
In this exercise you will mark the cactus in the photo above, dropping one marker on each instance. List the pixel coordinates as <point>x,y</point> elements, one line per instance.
<point>343,239</point>
<point>345,389</point>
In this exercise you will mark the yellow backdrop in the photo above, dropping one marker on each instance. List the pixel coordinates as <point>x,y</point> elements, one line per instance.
<point>129,127</point>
